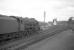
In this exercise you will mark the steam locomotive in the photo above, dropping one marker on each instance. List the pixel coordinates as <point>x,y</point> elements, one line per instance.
<point>15,27</point>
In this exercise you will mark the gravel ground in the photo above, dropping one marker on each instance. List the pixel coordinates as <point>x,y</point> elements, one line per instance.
<point>62,41</point>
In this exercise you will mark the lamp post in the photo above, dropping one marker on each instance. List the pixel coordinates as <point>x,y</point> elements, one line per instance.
<point>44,16</point>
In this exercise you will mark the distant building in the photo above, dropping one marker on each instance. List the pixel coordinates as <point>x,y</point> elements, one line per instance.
<point>43,25</point>
<point>54,21</point>
<point>50,23</point>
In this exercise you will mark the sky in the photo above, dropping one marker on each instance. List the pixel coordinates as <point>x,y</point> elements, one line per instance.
<point>60,9</point>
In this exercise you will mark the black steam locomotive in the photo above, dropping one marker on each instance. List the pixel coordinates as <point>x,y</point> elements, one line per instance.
<point>17,27</point>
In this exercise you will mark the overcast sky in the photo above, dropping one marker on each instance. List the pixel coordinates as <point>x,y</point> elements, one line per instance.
<point>60,9</point>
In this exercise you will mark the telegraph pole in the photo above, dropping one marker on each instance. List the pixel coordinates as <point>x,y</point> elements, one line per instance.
<point>44,16</point>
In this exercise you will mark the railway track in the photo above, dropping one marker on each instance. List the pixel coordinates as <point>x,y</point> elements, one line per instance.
<point>19,45</point>
<point>4,40</point>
